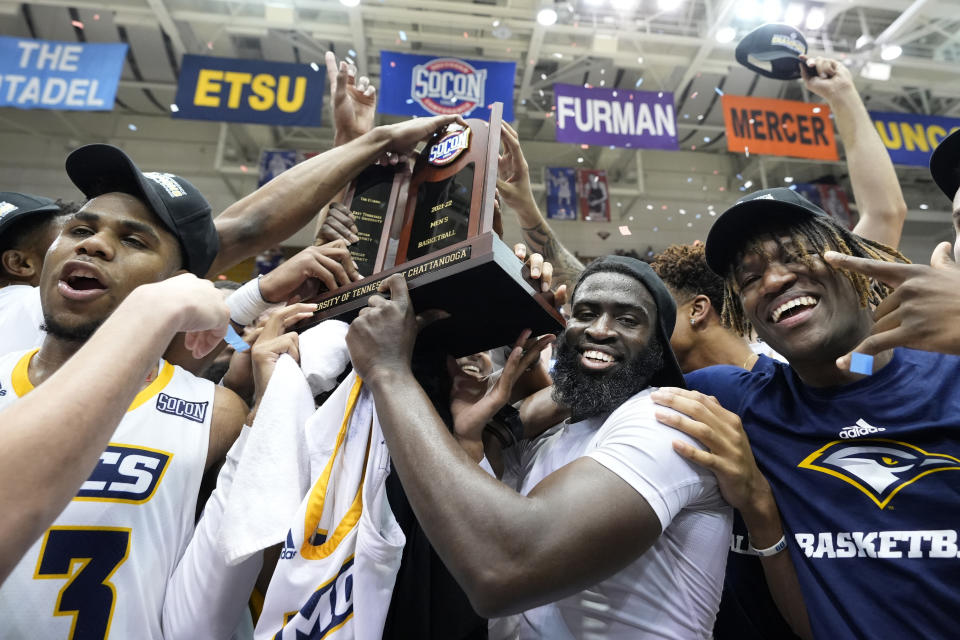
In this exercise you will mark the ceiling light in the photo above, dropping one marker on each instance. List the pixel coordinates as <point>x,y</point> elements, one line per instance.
<point>788,179</point>
<point>771,10</point>
<point>815,18</point>
<point>794,14</point>
<point>890,52</point>
<point>924,206</point>
<point>748,184</point>
<point>547,16</point>
<point>668,5</point>
<point>747,9</point>
<point>349,3</point>
<point>862,41</point>
<point>726,34</point>
<point>876,71</point>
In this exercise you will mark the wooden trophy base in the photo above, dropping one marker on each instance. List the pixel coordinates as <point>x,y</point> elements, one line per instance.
<point>478,281</point>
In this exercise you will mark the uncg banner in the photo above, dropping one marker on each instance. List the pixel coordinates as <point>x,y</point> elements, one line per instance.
<point>561,193</point>
<point>911,138</point>
<point>617,117</point>
<point>436,85</point>
<point>779,127</point>
<point>39,74</point>
<point>254,91</point>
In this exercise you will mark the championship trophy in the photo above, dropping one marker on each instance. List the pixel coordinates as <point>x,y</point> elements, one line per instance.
<point>435,226</point>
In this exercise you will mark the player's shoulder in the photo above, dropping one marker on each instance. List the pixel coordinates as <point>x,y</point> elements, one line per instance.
<point>731,384</point>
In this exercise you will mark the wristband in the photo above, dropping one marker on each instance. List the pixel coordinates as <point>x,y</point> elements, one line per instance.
<point>771,551</point>
<point>246,303</point>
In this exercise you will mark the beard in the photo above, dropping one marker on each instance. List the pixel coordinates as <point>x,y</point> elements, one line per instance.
<point>590,394</point>
<point>79,333</point>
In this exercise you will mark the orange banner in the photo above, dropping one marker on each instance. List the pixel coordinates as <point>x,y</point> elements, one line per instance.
<point>779,128</point>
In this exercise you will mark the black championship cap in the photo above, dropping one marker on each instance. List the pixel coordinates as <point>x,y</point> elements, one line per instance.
<point>15,207</point>
<point>945,165</point>
<point>764,209</point>
<point>97,169</point>
<point>669,374</point>
<point>779,45</point>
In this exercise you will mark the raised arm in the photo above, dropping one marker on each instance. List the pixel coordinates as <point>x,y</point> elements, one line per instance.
<point>509,552</point>
<point>874,181</point>
<point>52,438</point>
<point>513,183</point>
<point>280,208</point>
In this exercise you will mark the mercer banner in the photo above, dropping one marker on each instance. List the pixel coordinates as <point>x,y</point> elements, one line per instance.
<point>255,91</point>
<point>37,74</point>
<point>618,117</point>
<point>911,138</point>
<point>779,127</point>
<point>430,85</point>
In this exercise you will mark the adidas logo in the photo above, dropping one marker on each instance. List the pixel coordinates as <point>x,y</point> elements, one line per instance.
<point>862,428</point>
<point>289,550</point>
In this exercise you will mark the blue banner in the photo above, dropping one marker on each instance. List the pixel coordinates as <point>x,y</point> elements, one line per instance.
<point>911,138</point>
<point>273,162</point>
<point>561,193</point>
<point>255,91</point>
<point>434,85</point>
<point>39,74</point>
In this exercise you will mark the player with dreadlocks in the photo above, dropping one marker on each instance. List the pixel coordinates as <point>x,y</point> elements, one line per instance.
<point>838,483</point>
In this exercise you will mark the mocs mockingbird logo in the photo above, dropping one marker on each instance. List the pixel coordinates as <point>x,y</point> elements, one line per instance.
<point>878,467</point>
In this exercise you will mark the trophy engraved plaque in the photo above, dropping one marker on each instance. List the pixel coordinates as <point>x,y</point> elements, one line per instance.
<point>441,218</point>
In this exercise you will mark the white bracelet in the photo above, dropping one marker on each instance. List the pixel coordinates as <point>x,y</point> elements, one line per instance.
<point>247,303</point>
<point>771,551</point>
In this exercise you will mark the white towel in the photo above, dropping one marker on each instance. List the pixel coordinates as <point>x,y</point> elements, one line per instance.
<point>323,354</point>
<point>274,472</point>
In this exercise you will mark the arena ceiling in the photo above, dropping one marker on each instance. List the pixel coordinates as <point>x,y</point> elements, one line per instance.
<point>639,45</point>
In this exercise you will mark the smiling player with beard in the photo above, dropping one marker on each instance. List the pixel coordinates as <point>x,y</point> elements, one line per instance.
<point>608,533</point>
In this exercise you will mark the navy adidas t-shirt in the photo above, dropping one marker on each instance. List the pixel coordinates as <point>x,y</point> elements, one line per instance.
<point>867,479</point>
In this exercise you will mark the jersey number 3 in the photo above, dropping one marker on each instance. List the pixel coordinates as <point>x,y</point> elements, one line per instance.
<point>86,558</point>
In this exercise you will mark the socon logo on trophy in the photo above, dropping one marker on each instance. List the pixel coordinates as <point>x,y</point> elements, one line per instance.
<point>447,86</point>
<point>449,147</point>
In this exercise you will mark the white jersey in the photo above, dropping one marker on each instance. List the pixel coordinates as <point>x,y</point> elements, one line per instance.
<point>101,570</point>
<point>673,589</point>
<point>20,318</point>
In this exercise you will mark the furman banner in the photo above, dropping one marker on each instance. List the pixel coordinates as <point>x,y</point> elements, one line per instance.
<point>39,74</point>
<point>618,117</point>
<point>430,85</point>
<point>911,138</point>
<point>779,127</point>
<point>255,91</point>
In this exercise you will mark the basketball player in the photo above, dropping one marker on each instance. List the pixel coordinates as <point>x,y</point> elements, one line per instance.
<point>102,569</point>
<point>647,559</point>
<point>52,438</point>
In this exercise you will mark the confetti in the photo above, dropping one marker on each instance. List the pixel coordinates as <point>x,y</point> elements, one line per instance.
<point>861,363</point>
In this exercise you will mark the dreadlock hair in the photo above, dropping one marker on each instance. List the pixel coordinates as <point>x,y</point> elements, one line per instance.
<point>821,234</point>
<point>683,268</point>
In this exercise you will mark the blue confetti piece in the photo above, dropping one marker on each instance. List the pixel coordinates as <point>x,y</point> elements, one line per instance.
<point>234,340</point>
<point>861,363</point>
<point>718,90</point>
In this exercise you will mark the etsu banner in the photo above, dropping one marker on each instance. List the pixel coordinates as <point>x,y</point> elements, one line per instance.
<point>779,127</point>
<point>256,91</point>
<point>911,138</point>
<point>618,117</point>
<point>430,85</point>
<point>38,74</point>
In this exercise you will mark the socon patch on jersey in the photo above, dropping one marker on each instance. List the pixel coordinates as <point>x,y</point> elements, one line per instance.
<point>449,147</point>
<point>125,474</point>
<point>195,411</point>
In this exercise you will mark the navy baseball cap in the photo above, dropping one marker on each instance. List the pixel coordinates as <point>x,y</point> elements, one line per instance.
<point>778,45</point>
<point>97,169</point>
<point>764,209</point>
<point>15,207</point>
<point>669,374</point>
<point>945,165</point>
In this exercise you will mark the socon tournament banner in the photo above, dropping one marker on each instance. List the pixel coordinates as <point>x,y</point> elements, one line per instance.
<point>435,85</point>
<point>911,138</point>
<point>561,193</point>
<point>255,91</point>
<point>39,74</point>
<point>618,117</point>
<point>594,195</point>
